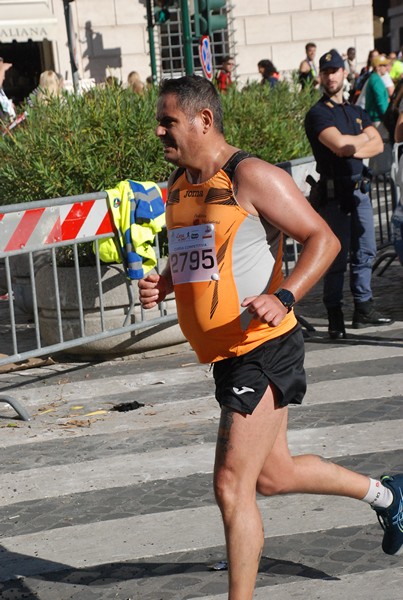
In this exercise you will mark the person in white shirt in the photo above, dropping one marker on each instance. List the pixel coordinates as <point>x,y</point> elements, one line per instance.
<point>7,111</point>
<point>350,66</point>
<point>387,79</point>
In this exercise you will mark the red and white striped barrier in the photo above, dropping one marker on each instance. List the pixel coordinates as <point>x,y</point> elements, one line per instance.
<point>37,227</point>
<point>33,228</point>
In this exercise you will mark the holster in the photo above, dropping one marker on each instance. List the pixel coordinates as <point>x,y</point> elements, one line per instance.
<point>316,198</point>
<point>340,190</point>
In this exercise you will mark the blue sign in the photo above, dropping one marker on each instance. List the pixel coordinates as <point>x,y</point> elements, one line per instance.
<point>205,57</point>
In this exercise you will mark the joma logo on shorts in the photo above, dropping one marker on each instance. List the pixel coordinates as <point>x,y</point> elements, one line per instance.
<point>193,194</point>
<point>242,390</point>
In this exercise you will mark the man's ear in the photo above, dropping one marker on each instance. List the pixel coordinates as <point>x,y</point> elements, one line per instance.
<point>207,119</point>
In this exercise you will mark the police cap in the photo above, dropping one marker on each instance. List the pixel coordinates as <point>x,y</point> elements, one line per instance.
<point>331,60</point>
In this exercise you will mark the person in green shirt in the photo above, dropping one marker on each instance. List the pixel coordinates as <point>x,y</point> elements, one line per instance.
<point>376,95</point>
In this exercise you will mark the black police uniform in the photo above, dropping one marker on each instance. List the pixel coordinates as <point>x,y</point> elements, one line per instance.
<point>342,199</point>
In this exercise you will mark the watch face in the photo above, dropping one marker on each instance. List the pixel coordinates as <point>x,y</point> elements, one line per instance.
<point>286,298</point>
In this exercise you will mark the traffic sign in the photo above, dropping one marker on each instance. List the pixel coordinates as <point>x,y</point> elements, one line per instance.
<point>205,57</point>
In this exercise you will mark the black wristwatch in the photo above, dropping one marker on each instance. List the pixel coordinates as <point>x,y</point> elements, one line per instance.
<point>286,298</point>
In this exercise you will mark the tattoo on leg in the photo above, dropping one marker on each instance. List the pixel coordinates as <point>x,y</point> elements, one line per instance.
<point>226,421</point>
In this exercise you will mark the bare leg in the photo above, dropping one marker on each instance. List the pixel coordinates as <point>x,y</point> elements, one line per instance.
<point>307,474</point>
<point>252,454</point>
<point>243,445</point>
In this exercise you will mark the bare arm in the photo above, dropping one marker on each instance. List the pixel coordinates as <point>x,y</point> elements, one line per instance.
<point>364,145</point>
<point>373,147</point>
<point>268,191</point>
<point>399,129</point>
<point>304,67</point>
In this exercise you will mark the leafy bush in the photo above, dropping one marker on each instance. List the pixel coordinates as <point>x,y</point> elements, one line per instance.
<point>80,144</point>
<point>269,122</point>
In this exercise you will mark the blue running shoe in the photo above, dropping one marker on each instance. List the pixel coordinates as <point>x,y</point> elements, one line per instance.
<point>391,518</point>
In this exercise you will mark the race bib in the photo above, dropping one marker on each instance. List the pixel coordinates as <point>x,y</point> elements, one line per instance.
<point>192,254</point>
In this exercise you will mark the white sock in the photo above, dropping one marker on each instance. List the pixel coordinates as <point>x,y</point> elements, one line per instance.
<point>378,496</point>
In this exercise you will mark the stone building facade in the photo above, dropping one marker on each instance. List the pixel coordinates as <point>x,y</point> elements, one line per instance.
<point>111,36</point>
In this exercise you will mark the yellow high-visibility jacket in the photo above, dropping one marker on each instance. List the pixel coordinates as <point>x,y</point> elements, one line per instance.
<point>138,214</point>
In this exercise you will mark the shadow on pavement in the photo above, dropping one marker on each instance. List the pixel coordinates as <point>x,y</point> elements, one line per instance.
<point>16,567</point>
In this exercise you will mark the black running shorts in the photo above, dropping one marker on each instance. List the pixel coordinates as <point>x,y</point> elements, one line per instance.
<point>241,381</point>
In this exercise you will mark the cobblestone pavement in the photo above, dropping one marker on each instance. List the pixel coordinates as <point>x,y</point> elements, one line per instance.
<point>387,292</point>
<point>97,504</point>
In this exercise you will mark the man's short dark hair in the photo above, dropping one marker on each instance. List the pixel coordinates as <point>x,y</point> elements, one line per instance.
<point>195,93</point>
<point>310,45</point>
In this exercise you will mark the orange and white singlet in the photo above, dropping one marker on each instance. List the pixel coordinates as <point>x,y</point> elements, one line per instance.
<point>219,255</point>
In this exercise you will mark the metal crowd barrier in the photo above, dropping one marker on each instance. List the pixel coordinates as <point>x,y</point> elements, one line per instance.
<point>384,196</point>
<point>35,231</point>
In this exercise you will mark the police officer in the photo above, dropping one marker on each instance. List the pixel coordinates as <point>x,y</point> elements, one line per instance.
<point>341,136</point>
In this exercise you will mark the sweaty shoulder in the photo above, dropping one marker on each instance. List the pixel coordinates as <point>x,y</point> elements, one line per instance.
<point>253,171</point>
<point>256,179</point>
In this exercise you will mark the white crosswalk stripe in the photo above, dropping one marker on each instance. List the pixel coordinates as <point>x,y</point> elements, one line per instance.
<point>105,473</point>
<point>138,537</point>
<point>167,447</point>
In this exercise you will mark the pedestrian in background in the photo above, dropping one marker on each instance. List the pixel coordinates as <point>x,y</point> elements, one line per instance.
<point>7,110</point>
<point>50,85</point>
<point>376,105</point>
<point>224,76</point>
<point>341,136</point>
<point>134,83</point>
<point>269,73</point>
<point>226,211</point>
<point>150,82</point>
<point>396,68</point>
<point>360,88</point>
<point>112,82</point>
<point>386,78</point>
<point>308,72</point>
<point>350,67</point>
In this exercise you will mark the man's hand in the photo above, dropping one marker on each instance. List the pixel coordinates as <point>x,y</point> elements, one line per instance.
<point>152,290</point>
<point>267,308</point>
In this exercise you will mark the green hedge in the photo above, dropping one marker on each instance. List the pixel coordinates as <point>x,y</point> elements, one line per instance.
<point>269,122</point>
<point>80,144</point>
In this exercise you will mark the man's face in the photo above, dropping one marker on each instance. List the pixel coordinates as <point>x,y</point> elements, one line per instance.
<point>332,80</point>
<point>311,52</point>
<point>228,66</point>
<point>373,54</point>
<point>177,132</point>
<point>381,69</point>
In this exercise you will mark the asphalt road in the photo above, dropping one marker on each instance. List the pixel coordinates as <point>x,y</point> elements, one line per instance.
<point>99,504</point>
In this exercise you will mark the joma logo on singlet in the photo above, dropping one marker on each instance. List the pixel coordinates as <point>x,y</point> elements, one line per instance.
<point>193,194</point>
